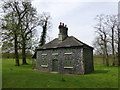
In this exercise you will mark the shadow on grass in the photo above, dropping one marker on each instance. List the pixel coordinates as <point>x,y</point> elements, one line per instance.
<point>100,71</point>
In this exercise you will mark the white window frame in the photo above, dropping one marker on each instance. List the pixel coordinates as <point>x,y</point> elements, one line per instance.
<point>68,53</point>
<point>69,67</point>
<point>44,65</point>
<point>44,54</point>
<point>54,53</point>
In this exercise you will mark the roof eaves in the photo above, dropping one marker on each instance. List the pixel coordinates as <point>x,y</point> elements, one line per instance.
<point>57,48</point>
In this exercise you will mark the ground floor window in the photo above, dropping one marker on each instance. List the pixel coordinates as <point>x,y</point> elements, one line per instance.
<point>68,63</point>
<point>44,62</point>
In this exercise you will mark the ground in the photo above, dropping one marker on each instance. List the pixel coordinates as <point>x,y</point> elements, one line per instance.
<point>24,77</point>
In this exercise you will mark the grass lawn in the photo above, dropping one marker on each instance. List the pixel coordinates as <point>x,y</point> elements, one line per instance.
<point>24,77</point>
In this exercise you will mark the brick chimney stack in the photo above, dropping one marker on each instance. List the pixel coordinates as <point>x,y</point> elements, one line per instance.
<point>62,31</point>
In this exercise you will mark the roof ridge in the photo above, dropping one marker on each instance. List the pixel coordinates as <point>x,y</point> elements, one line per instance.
<point>81,42</point>
<point>77,40</point>
<point>49,42</point>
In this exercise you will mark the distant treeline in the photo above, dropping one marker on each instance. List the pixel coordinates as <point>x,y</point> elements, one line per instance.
<point>12,55</point>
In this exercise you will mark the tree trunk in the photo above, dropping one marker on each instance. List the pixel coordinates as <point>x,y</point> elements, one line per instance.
<point>119,54</point>
<point>119,46</point>
<point>113,63</point>
<point>23,52</point>
<point>107,60</point>
<point>103,55</point>
<point>119,33</point>
<point>113,49</point>
<point>16,52</point>
<point>103,59</point>
<point>106,53</point>
<point>106,57</point>
<point>23,56</point>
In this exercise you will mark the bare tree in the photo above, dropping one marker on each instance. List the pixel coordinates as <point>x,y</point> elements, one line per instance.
<point>106,29</point>
<point>111,24</point>
<point>102,32</point>
<point>119,33</point>
<point>99,48</point>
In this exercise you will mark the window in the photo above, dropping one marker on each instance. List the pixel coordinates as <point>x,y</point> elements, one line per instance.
<point>68,63</point>
<point>68,52</point>
<point>54,53</point>
<point>44,62</point>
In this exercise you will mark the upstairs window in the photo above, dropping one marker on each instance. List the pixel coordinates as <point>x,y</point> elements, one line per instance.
<point>68,52</point>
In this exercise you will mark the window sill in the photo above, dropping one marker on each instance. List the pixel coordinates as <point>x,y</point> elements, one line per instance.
<point>68,67</point>
<point>44,54</point>
<point>44,65</point>
<point>68,53</point>
<point>55,54</point>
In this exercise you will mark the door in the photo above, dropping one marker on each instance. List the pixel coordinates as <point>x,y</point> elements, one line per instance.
<point>55,65</point>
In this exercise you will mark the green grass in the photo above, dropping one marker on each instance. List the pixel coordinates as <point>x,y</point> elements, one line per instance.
<point>99,60</point>
<point>24,77</point>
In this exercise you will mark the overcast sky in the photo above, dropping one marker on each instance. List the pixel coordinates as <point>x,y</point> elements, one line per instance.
<point>78,15</point>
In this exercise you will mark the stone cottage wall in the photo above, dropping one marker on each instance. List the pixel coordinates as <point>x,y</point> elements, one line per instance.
<point>61,54</point>
<point>88,60</point>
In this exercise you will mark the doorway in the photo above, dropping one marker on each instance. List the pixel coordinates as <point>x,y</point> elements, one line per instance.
<point>55,65</point>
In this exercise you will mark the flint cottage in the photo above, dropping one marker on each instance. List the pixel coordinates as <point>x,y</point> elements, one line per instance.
<point>65,54</point>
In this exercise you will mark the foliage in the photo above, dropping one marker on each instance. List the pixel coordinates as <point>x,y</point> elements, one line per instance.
<point>10,27</point>
<point>45,23</point>
<point>25,77</point>
<point>7,47</point>
<point>19,23</point>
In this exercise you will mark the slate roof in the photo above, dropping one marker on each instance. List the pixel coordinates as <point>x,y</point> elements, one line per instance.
<point>70,41</point>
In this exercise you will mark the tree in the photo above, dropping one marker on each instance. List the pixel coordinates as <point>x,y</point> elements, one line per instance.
<point>7,48</point>
<point>111,24</point>
<point>101,31</point>
<point>106,29</point>
<point>99,48</point>
<point>19,23</point>
<point>28,27</point>
<point>119,33</point>
<point>45,24</point>
<point>10,28</point>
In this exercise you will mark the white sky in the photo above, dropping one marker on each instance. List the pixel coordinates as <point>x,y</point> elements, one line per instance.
<point>77,14</point>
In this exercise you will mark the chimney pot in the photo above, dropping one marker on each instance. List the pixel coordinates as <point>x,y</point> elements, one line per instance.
<point>63,24</point>
<point>60,23</point>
